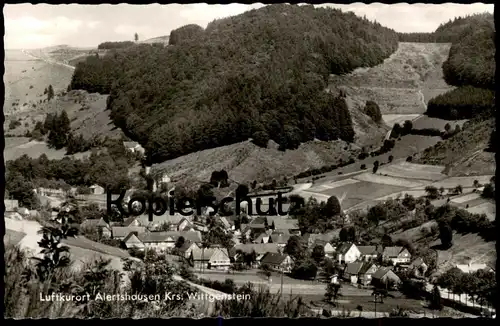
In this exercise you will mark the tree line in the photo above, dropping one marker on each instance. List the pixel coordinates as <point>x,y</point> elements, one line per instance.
<point>115,45</point>
<point>259,75</point>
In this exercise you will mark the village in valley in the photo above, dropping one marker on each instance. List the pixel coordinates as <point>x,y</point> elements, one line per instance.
<point>328,257</point>
<point>339,168</point>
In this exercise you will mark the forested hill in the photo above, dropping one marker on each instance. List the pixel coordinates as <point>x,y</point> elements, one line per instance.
<point>259,75</point>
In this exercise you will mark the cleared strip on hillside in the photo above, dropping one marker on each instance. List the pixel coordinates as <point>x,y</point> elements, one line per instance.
<point>387,180</point>
<point>414,171</point>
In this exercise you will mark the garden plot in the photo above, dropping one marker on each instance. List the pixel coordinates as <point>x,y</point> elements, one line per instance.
<point>414,171</point>
<point>466,198</point>
<point>488,208</point>
<point>387,180</point>
<point>391,119</point>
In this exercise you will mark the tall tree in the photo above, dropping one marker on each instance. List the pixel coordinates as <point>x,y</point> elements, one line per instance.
<point>50,93</point>
<point>136,37</point>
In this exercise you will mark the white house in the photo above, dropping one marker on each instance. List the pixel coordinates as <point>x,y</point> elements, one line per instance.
<point>397,255</point>
<point>210,258</point>
<point>348,253</point>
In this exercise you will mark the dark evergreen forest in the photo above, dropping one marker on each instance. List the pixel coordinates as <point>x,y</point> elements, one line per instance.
<point>258,75</point>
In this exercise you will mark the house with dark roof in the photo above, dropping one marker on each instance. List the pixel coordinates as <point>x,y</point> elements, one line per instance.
<point>360,272</point>
<point>348,252</point>
<point>185,225</point>
<point>368,253</point>
<point>186,249</point>
<point>159,222</point>
<point>397,255</point>
<point>121,232</point>
<point>131,241</point>
<point>210,258</point>
<point>278,262</point>
<point>385,277</point>
<point>282,224</point>
<point>260,249</point>
<point>280,239</point>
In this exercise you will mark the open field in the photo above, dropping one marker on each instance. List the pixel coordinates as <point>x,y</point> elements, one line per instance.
<point>414,171</point>
<point>465,198</point>
<point>427,122</point>
<point>333,185</point>
<point>16,147</point>
<point>391,119</point>
<point>363,190</point>
<point>465,182</point>
<point>488,208</point>
<point>387,180</point>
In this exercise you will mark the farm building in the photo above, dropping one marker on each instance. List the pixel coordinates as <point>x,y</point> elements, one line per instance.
<point>161,241</point>
<point>311,238</point>
<point>281,239</point>
<point>397,255</point>
<point>385,277</point>
<point>210,258</point>
<point>187,248</point>
<point>121,232</point>
<point>260,249</point>
<point>348,253</point>
<point>131,241</point>
<point>278,262</point>
<point>96,190</point>
<point>49,192</point>
<point>327,247</point>
<point>360,272</point>
<point>368,253</point>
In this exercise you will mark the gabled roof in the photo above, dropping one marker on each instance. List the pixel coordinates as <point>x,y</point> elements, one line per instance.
<point>273,258</point>
<point>280,238</point>
<point>368,250</point>
<point>366,266</point>
<point>259,248</point>
<point>313,237</point>
<point>354,268</point>
<point>225,222</point>
<point>132,239</point>
<point>392,252</point>
<point>123,231</point>
<point>169,236</point>
<point>416,263</point>
<point>381,272</point>
<point>94,223</point>
<point>187,244</point>
<point>286,223</point>
<point>206,255</point>
<point>261,237</point>
<point>344,248</point>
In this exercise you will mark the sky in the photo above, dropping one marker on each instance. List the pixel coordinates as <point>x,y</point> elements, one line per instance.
<point>29,26</point>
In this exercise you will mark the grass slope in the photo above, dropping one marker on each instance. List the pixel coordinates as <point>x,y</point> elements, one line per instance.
<point>463,154</point>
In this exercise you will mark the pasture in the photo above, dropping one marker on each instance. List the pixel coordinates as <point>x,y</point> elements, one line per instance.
<point>466,198</point>
<point>427,122</point>
<point>391,119</point>
<point>16,147</point>
<point>414,171</point>
<point>363,190</point>
<point>488,208</point>
<point>387,180</point>
<point>465,182</point>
